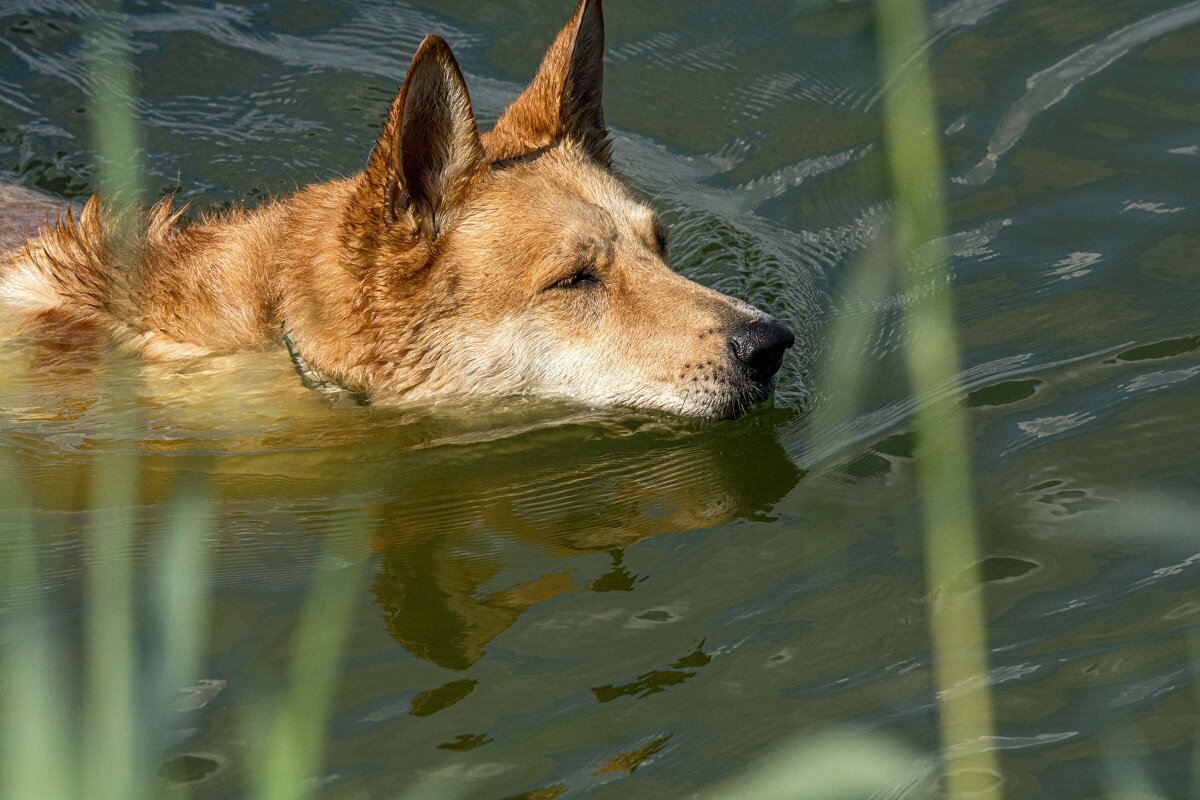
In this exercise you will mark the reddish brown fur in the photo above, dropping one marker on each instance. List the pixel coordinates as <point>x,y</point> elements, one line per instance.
<point>439,268</point>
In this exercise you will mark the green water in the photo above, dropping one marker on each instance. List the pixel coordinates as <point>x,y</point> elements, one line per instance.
<point>605,604</point>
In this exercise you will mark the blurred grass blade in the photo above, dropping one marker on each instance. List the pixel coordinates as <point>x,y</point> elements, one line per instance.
<point>292,750</point>
<point>34,748</point>
<point>844,369</point>
<point>1127,778</point>
<point>1194,662</point>
<point>114,123</point>
<point>112,726</point>
<point>841,767</point>
<point>182,568</point>
<point>956,609</point>
<point>435,789</point>
<point>113,732</point>
<point>34,762</point>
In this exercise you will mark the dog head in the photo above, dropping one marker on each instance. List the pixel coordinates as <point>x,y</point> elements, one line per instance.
<point>532,263</point>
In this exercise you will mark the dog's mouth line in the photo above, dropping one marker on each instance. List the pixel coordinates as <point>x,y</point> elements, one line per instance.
<point>738,400</point>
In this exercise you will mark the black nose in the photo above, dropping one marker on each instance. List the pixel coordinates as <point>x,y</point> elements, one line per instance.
<point>759,344</point>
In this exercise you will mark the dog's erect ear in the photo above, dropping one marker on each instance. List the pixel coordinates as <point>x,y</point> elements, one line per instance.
<point>564,99</point>
<point>429,152</point>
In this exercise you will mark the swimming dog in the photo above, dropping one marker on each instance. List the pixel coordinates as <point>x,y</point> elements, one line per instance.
<point>456,262</point>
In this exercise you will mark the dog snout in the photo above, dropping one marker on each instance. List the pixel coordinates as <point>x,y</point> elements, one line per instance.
<point>759,344</point>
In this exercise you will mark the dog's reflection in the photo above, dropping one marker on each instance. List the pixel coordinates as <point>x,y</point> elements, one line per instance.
<point>454,550</point>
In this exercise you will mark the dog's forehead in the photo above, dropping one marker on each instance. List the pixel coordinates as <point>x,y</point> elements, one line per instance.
<point>561,189</point>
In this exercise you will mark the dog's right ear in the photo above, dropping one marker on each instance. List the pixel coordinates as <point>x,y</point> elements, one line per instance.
<point>429,152</point>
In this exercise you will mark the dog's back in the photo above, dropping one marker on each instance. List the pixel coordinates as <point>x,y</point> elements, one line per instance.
<point>148,284</point>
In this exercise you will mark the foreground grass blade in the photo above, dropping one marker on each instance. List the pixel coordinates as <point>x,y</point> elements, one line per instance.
<point>956,608</point>
<point>294,735</point>
<point>844,368</point>
<point>34,748</point>
<point>832,767</point>
<point>1194,652</point>
<point>181,575</point>
<point>112,726</point>
<point>1127,778</point>
<point>114,121</point>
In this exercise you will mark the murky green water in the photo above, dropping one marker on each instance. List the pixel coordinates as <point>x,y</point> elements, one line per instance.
<point>609,605</point>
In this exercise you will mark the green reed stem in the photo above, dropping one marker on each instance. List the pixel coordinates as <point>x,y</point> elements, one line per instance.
<point>843,372</point>
<point>113,730</point>
<point>114,119</point>
<point>33,740</point>
<point>956,608</point>
<point>118,718</point>
<point>835,766</point>
<point>293,750</point>
<point>111,725</point>
<point>1194,663</point>
<point>181,571</point>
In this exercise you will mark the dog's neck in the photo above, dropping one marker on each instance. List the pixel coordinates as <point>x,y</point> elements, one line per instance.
<point>353,296</point>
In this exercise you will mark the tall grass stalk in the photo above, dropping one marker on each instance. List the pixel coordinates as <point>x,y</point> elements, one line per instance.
<point>957,621</point>
<point>181,571</point>
<point>114,118</point>
<point>33,719</point>
<point>1194,653</point>
<point>292,739</point>
<point>844,372</point>
<point>834,766</point>
<point>112,730</point>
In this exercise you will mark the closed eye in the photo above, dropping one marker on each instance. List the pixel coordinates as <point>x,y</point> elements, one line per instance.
<point>583,276</point>
<point>577,280</point>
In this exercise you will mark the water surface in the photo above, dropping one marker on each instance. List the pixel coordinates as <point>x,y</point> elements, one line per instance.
<point>604,604</point>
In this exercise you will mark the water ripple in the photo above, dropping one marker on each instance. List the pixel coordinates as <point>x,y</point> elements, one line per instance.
<point>1051,86</point>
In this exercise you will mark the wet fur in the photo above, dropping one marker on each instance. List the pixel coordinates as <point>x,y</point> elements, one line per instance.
<point>445,266</point>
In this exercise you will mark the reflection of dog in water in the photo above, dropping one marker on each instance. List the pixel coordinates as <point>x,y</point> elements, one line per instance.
<point>597,496</point>
<point>454,263</point>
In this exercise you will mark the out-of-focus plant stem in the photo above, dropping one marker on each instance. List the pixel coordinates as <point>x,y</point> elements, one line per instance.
<point>957,619</point>
<point>114,119</point>
<point>112,763</point>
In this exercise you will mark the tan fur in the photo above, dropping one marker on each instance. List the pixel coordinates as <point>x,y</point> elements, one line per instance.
<point>443,267</point>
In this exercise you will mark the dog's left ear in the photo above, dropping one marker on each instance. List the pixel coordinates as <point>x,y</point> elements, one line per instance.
<point>565,98</point>
<point>429,152</point>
